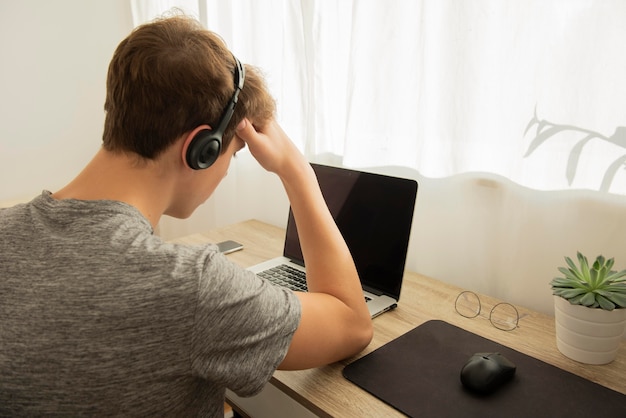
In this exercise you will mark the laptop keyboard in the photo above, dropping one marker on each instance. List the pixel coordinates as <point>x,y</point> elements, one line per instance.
<point>289,277</point>
<point>286,276</point>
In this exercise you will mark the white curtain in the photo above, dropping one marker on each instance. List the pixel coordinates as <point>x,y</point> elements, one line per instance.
<point>533,91</point>
<point>493,105</point>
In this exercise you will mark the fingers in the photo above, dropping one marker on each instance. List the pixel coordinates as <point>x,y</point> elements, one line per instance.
<point>259,144</point>
<point>245,130</point>
<point>270,146</point>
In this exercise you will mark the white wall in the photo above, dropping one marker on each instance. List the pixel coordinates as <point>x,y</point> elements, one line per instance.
<point>55,56</point>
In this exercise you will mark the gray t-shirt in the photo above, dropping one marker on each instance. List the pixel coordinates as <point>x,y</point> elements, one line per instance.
<point>100,317</point>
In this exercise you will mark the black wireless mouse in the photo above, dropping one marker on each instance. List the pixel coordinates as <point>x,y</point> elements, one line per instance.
<point>485,372</point>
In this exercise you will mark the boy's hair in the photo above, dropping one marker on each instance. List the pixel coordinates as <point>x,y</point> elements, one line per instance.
<point>169,77</point>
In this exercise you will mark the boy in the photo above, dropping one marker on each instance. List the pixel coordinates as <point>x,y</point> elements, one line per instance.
<point>101,317</point>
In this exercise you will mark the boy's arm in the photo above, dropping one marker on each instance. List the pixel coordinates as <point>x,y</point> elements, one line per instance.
<point>335,321</point>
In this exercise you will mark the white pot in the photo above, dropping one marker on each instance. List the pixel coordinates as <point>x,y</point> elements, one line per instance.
<point>588,335</point>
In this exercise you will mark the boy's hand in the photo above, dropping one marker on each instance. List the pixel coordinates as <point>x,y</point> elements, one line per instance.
<point>271,147</point>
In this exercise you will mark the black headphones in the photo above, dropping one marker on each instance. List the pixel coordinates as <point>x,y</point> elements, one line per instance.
<point>206,144</point>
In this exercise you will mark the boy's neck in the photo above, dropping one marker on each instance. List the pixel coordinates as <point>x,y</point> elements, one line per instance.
<point>146,185</point>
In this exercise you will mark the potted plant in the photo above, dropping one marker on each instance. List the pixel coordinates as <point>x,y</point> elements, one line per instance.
<point>589,309</point>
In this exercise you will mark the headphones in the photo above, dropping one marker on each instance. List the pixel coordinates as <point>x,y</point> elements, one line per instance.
<point>206,144</point>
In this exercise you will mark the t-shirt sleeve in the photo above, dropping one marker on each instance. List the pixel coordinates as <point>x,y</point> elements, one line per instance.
<point>243,326</point>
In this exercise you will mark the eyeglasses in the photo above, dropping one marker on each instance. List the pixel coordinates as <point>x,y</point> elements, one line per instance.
<point>503,316</point>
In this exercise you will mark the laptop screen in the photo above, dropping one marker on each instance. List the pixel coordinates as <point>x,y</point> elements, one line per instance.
<point>374,214</point>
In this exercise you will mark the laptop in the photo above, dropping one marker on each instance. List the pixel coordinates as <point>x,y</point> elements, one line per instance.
<point>374,213</point>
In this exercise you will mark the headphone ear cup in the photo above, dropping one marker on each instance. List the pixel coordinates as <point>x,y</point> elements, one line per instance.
<point>203,149</point>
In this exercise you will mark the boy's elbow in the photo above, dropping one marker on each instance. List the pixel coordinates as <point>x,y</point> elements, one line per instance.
<point>369,333</point>
<point>364,335</point>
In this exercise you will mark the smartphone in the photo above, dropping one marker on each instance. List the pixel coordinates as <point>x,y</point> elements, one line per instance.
<point>229,246</point>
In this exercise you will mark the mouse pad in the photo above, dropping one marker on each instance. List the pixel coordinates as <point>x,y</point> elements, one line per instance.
<point>418,374</point>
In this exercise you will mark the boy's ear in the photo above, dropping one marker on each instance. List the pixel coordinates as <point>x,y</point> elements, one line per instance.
<point>188,139</point>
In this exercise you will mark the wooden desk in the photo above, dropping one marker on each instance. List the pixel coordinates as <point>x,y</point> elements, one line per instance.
<point>325,392</point>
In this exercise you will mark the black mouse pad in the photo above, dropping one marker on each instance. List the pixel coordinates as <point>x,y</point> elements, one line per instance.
<point>418,374</point>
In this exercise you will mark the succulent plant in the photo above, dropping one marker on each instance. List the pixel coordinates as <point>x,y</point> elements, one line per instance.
<point>594,286</point>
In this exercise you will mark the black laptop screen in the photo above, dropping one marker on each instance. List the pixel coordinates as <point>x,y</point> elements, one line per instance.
<point>374,214</point>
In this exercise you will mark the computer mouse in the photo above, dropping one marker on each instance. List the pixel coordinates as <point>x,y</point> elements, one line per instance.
<point>485,372</point>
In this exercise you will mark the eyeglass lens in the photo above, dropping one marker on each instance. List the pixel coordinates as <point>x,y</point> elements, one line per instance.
<point>504,316</point>
<point>467,304</point>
